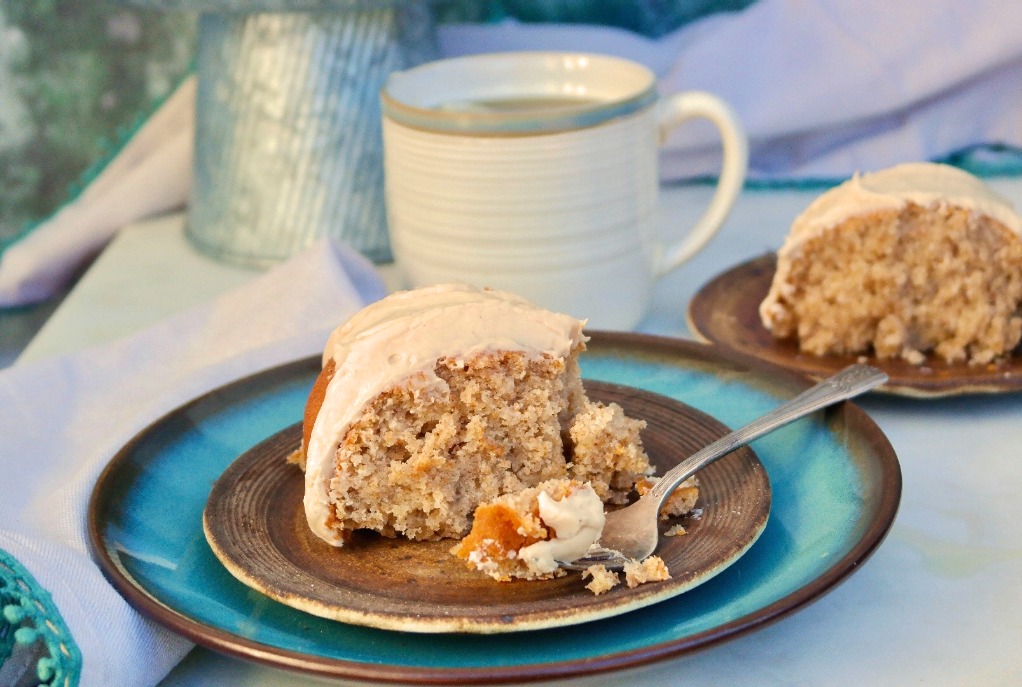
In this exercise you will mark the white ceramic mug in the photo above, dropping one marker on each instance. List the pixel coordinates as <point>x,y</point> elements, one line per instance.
<point>538,173</point>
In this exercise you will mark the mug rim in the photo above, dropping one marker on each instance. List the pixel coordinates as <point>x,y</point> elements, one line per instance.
<point>395,105</point>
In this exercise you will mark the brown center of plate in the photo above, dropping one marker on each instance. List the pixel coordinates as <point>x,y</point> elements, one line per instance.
<point>255,523</point>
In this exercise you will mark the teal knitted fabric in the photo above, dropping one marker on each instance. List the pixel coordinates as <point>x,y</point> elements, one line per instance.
<point>989,161</point>
<point>650,18</point>
<point>28,615</point>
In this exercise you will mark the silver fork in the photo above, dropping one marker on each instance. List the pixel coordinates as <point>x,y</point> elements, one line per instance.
<point>631,533</point>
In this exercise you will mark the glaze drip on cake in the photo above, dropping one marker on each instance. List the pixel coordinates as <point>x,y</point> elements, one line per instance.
<point>576,521</point>
<point>922,183</point>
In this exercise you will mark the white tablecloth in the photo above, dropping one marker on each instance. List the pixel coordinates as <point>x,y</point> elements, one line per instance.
<point>937,604</point>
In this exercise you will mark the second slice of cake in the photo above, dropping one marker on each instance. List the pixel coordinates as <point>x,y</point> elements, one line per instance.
<point>916,259</point>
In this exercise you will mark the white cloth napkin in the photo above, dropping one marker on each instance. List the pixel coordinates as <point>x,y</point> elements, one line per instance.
<point>62,419</point>
<point>824,88</point>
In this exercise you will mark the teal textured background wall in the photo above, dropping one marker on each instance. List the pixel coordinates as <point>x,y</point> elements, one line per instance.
<point>75,79</point>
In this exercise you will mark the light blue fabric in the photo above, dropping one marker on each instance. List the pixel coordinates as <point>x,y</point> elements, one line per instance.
<point>71,414</point>
<point>824,88</point>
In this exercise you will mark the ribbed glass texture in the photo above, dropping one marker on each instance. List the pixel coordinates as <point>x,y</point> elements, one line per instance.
<point>288,143</point>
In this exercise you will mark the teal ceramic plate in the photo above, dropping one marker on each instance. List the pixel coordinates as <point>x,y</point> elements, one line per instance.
<point>835,485</point>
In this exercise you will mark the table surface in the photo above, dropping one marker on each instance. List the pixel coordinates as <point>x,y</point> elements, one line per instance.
<point>940,602</point>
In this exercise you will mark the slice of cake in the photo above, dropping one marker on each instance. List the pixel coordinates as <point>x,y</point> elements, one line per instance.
<point>435,400</point>
<point>914,259</point>
<point>526,533</point>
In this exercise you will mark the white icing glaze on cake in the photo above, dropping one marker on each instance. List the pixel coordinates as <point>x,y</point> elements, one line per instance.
<point>922,183</point>
<point>402,336</point>
<point>576,522</point>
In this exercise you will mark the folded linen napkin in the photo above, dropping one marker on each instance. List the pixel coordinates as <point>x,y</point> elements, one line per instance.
<point>824,88</point>
<point>62,419</point>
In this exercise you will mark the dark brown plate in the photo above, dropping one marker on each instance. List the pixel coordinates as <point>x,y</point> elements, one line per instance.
<point>726,312</point>
<point>255,523</point>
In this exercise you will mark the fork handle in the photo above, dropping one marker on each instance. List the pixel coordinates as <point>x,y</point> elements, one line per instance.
<point>849,382</point>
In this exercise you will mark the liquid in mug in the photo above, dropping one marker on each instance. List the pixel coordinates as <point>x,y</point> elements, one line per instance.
<point>520,104</point>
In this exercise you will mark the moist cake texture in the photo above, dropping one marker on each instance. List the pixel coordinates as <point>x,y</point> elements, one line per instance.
<point>916,259</point>
<point>435,400</point>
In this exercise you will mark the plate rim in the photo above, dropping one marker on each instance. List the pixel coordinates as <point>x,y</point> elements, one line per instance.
<point>234,645</point>
<point>816,367</point>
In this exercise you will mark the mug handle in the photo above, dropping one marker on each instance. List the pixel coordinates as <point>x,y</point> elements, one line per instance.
<point>689,105</point>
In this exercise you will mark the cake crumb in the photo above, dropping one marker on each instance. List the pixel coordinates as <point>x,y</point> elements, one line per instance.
<point>652,569</point>
<point>681,501</point>
<point>675,531</point>
<point>603,580</point>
